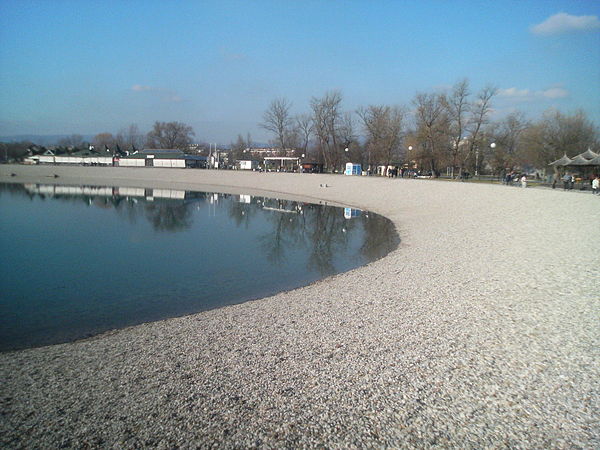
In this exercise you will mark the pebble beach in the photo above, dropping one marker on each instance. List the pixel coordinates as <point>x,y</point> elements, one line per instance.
<point>480,330</point>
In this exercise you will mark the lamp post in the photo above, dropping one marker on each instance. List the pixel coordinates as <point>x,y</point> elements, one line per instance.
<point>493,146</point>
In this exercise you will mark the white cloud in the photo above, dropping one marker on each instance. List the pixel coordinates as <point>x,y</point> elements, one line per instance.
<point>565,23</point>
<point>527,95</point>
<point>140,88</point>
<point>555,92</point>
<point>514,92</point>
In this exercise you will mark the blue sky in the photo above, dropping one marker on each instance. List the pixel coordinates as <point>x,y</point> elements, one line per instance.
<point>94,66</point>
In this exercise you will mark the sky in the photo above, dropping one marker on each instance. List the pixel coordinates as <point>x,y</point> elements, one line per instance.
<point>86,67</point>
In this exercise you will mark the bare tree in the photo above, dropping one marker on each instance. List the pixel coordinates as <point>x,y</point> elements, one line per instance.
<point>320,129</point>
<point>432,127</point>
<point>506,134</point>
<point>457,107</point>
<point>103,140</point>
<point>238,148</point>
<point>277,120</point>
<point>73,141</point>
<point>346,131</point>
<point>556,134</point>
<point>304,129</point>
<point>383,126</point>
<point>170,135</point>
<point>130,138</point>
<point>327,118</point>
<point>479,117</point>
<point>18,150</point>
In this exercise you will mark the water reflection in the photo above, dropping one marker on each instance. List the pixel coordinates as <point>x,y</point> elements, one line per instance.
<point>320,230</point>
<point>109,257</point>
<point>166,209</point>
<point>294,224</point>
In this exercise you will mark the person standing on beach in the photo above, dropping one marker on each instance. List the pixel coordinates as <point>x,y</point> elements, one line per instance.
<point>524,181</point>
<point>566,181</point>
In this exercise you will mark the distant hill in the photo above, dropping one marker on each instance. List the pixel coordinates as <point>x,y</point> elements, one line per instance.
<point>45,139</point>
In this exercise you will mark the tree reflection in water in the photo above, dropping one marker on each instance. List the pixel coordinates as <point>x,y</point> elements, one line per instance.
<point>165,216</point>
<point>165,253</point>
<point>380,236</point>
<point>321,231</point>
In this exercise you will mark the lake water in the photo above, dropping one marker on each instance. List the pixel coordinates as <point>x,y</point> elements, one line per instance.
<point>77,261</point>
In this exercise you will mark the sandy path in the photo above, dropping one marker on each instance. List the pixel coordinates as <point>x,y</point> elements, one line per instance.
<point>481,329</point>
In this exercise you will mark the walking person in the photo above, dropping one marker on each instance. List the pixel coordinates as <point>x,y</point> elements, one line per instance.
<point>524,181</point>
<point>596,185</point>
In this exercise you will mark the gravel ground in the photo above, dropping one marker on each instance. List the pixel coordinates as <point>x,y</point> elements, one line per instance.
<point>480,330</point>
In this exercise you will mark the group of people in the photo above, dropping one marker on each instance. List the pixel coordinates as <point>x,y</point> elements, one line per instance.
<point>514,176</point>
<point>403,172</point>
<point>569,183</point>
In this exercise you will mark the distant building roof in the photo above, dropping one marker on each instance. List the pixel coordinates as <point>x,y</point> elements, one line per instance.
<point>584,159</point>
<point>161,150</point>
<point>168,153</point>
<point>588,154</point>
<point>564,161</point>
<point>92,152</point>
<point>579,161</point>
<point>595,161</point>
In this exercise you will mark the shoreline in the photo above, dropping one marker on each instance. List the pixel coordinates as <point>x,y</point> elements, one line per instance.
<point>473,332</point>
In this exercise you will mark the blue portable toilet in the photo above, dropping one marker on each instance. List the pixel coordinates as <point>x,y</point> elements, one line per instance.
<point>352,169</point>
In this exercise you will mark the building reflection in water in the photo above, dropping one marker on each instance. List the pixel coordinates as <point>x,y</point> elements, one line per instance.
<point>110,257</point>
<point>320,230</point>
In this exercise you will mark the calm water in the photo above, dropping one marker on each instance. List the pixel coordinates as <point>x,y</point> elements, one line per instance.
<point>77,261</point>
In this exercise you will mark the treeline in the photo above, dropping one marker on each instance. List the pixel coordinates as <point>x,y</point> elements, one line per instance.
<point>437,131</point>
<point>173,135</point>
<point>450,130</point>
